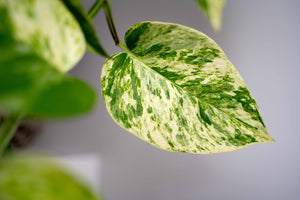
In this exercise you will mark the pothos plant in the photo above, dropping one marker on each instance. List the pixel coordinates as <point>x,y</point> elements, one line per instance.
<point>172,86</point>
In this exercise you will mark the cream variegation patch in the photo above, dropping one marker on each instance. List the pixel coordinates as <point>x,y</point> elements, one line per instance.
<point>48,28</point>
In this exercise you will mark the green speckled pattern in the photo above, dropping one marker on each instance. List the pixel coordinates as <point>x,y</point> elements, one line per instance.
<point>177,90</point>
<point>49,30</point>
<point>213,10</point>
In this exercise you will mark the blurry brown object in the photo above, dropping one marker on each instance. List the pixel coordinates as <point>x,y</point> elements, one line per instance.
<point>27,131</point>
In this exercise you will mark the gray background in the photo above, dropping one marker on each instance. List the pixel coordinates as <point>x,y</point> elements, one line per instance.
<point>261,38</point>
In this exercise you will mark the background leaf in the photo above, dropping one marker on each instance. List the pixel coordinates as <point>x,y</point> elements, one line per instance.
<point>70,96</point>
<point>177,90</point>
<point>46,28</point>
<point>212,9</point>
<point>87,27</point>
<point>30,85</point>
<point>36,178</point>
<point>32,59</point>
<point>21,80</point>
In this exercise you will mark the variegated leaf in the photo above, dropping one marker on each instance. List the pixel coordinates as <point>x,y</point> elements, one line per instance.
<point>45,27</point>
<point>176,89</point>
<point>39,40</point>
<point>212,9</point>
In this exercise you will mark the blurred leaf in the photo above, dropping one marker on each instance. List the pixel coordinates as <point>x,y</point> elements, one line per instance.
<point>212,9</point>
<point>45,28</point>
<point>176,89</point>
<point>65,98</point>
<point>21,79</point>
<point>30,85</point>
<point>93,11</point>
<point>87,27</point>
<point>38,41</point>
<point>36,178</point>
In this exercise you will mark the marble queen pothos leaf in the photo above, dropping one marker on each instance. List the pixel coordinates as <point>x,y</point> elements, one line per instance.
<point>176,89</point>
<point>46,27</point>
<point>213,10</point>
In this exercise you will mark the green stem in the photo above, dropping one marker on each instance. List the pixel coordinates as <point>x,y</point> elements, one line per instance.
<point>110,21</point>
<point>124,47</point>
<point>7,130</point>
<point>95,8</point>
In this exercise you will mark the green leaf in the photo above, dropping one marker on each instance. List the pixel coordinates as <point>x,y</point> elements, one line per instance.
<point>212,9</point>
<point>70,96</point>
<point>30,85</point>
<point>36,178</point>
<point>45,28</point>
<point>21,79</point>
<point>87,27</point>
<point>176,89</point>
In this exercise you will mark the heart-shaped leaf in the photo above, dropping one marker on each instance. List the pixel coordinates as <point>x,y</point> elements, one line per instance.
<point>212,9</point>
<point>87,27</point>
<point>45,27</point>
<point>36,178</point>
<point>176,89</point>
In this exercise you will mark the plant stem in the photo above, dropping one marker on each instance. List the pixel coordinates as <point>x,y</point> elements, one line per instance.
<point>110,22</point>
<point>7,130</point>
<point>95,9</point>
<point>124,47</point>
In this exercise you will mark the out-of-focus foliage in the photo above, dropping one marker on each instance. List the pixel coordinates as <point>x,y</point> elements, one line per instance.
<point>87,27</point>
<point>45,28</point>
<point>213,10</point>
<point>29,85</point>
<point>39,41</point>
<point>36,178</point>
